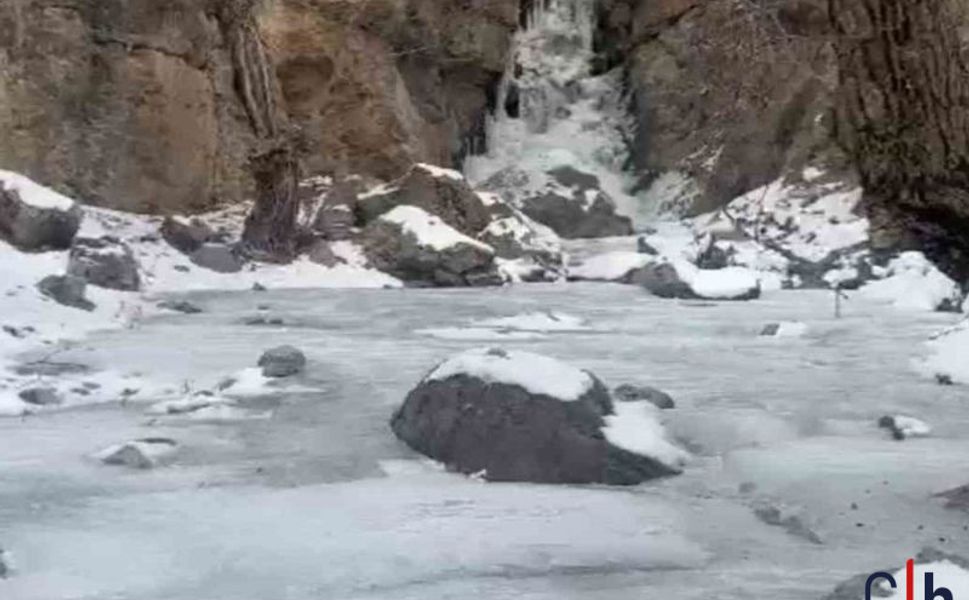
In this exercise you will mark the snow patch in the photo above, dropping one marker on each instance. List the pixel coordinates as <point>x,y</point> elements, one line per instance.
<point>913,283</point>
<point>634,426</point>
<point>430,230</point>
<point>611,266</point>
<point>34,194</point>
<point>536,373</point>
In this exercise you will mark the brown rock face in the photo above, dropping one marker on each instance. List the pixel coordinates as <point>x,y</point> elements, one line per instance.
<point>904,115</point>
<point>731,95</point>
<point>139,104</point>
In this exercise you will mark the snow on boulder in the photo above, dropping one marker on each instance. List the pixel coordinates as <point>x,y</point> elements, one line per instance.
<point>33,217</point>
<point>517,416</point>
<point>146,453</point>
<point>903,427</point>
<point>516,237</point>
<point>948,350</point>
<point>105,262</point>
<point>611,266</point>
<point>681,279</point>
<point>415,246</point>
<point>568,200</point>
<point>438,191</point>
<point>912,282</point>
<point>784,329</point>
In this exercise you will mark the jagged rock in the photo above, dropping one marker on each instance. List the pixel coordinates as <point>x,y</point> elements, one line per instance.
<point>494,426</point>
<point>41,396</point>
<point>105,262</point>
<point>514,236</point>
<point>282,361</point>
<point>334,219</point>
<point>67,290</point>
<point>636,393</point>
<point>711,255</point>
<point>186,235</point>
<point>35,218</point>
<point>440,192</point>
<point>147,453</point>
<point>182,306</point>
<point>421,249</point>
<point>258,287</point>
<point>217,257</point>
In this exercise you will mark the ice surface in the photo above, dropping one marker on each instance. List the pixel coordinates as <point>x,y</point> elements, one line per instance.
<point>536,373</point>
<point>544,321</point>
<point>429,229</point>
<point>301,506</point>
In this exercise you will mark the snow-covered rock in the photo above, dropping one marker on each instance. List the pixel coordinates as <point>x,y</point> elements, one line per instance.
<point>415,246</point>
<point>535,248</point>
<point>610,266</point>
<point>33,217</point>
<point>903,427</point>
<point>517,416</point>
<point>145,453</point>
<point>948,352</point>
<point>105,262</point>
<point>440,192</point>
<point>911,282</point>
<point>682,279</point>
<point>569,201</point>
<point>784,329</point>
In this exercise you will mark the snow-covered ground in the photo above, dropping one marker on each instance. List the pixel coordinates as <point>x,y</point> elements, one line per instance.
<point>318,499</point>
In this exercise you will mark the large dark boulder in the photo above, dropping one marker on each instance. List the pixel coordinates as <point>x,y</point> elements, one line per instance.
<point>438,191</point>
<point>105,262</point>
<point>186,235</point>
<point>282,361</point>
<point>220,258</point>
<point>504,432</point>
<point>395,248</point>
<point>67,290</point>
<point>34,218</point>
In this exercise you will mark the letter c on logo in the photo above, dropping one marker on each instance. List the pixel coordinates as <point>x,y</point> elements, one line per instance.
<point>875,577</point>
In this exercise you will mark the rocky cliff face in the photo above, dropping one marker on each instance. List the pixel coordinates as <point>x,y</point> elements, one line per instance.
<point>141,105</point>
<point>730,95</point>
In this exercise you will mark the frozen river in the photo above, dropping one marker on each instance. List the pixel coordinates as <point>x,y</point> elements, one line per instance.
<point>319,500</point>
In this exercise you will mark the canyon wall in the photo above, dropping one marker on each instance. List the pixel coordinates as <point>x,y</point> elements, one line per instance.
<point>140,104</point>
